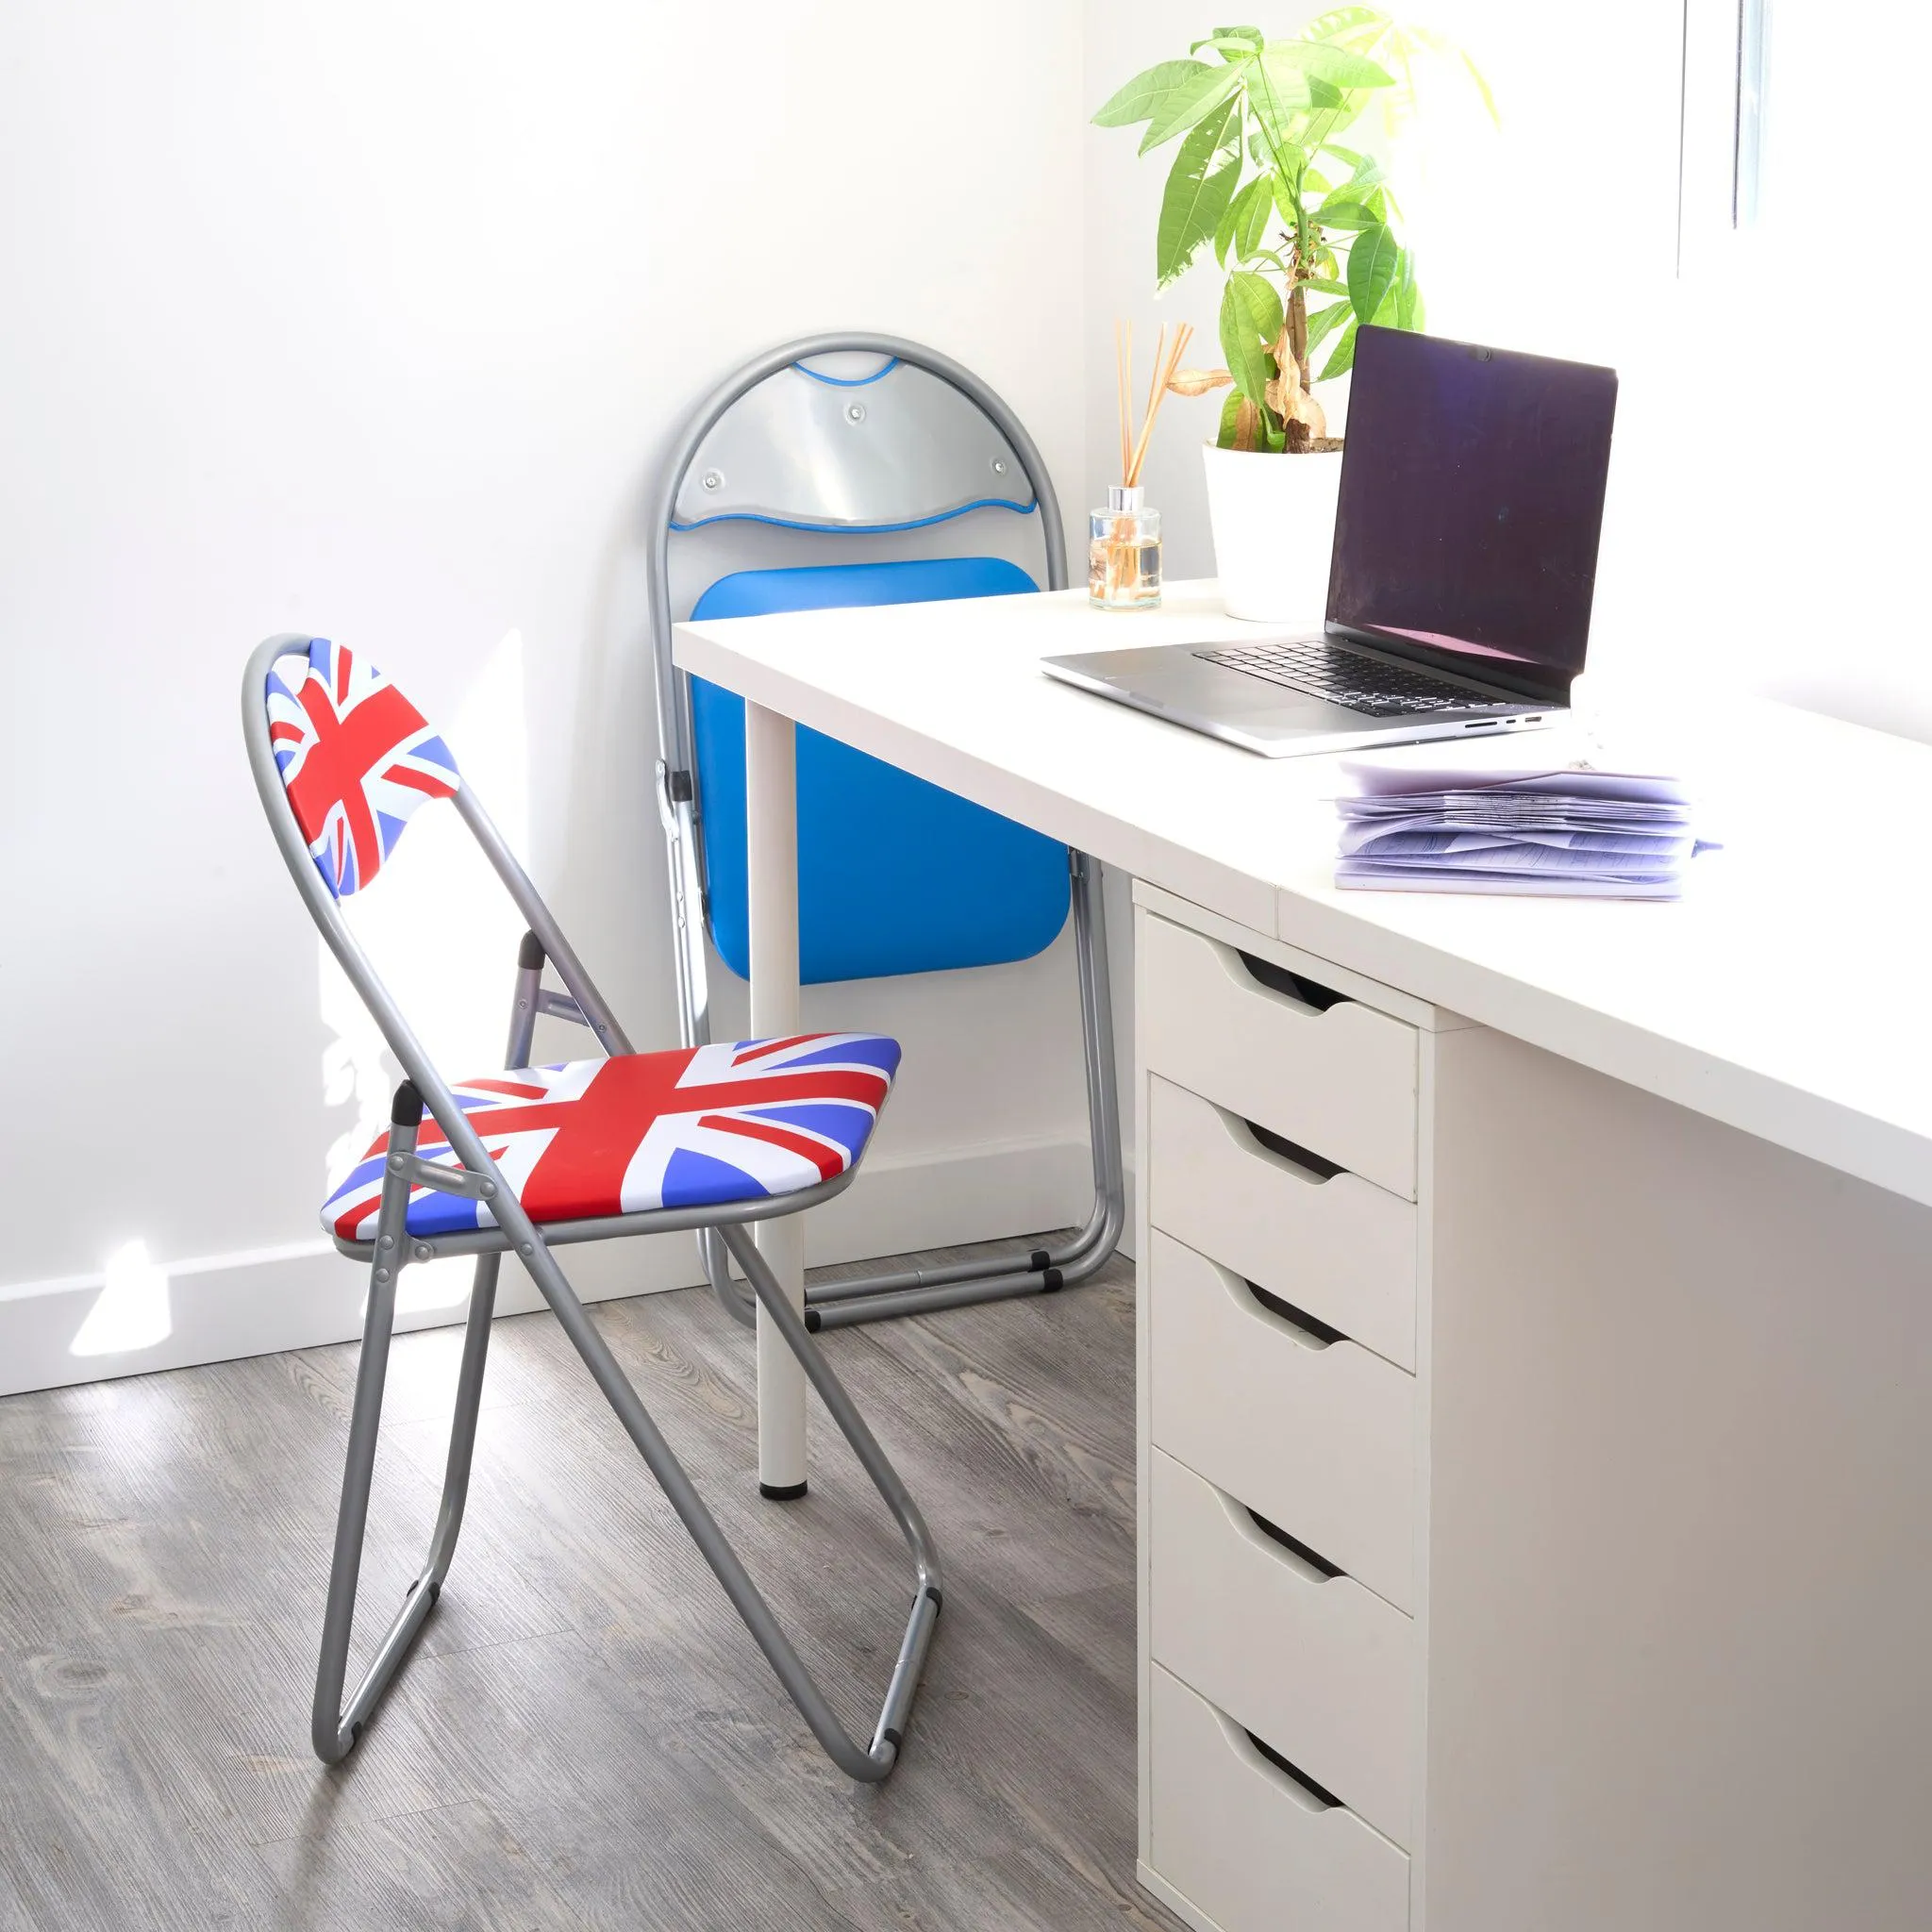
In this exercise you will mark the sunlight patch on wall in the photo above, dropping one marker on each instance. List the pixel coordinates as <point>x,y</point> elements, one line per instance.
<point>132,1310</point>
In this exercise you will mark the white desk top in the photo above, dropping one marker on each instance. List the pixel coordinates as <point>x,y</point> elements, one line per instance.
<point>1787,994</point>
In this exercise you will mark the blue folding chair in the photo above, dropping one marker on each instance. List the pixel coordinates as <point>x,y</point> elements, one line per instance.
<point>850,436</point>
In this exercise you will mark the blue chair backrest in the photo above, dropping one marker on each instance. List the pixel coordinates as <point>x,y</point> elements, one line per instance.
<point>895,874</point>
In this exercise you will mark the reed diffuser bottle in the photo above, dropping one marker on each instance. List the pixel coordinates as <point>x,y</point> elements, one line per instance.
<point>1123,552</point>
<point>1124,540</point>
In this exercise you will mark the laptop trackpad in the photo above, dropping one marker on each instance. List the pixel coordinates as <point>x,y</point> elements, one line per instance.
<point>1196,687</point>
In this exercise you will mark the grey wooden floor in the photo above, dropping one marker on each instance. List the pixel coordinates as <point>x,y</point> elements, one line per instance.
<point>586,1736</point>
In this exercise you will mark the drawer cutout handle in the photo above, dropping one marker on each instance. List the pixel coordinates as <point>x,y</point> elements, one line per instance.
<point>1279,979</point>
<point>1275,1543</point>
<point>1304,1161</point>
<point>1294,1552</point>
<point>1288,1779</point>
<point>1311,1332</point>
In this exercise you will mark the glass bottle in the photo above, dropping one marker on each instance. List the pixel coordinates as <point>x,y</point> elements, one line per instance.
<point>1123,552</point>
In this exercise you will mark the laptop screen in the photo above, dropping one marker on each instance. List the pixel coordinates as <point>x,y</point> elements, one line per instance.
<point>1472,499</point>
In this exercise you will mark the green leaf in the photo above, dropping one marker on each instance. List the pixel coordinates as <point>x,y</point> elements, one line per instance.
<point>1285,201</point>
<point>1199,188</point>
<point>1320,61</point>
<point>1147,94</point>
<point>1230,409</point>
<point>1225,228</point>
<point>1231,47</point>
<point>1362,185</point>
<point>1342,19</point>
<point>1344,211</point>
<point>1326,285</point>
<point>1190,103</point>
<point>1240,228</point>
<point>1277,94</point>
<point>1252,222</point>
<point>1343,358</point>
<point>1250,321</point>
<point>1408,296</point>
<point>1372,264</point>
<point>1482,87</point>
<point>1323,324</point>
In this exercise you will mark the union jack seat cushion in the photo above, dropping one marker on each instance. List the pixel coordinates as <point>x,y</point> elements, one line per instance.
<point>695,1128</point>
<point>356,757</point>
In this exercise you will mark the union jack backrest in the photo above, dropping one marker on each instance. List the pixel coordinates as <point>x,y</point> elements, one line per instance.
<point>356,758</point>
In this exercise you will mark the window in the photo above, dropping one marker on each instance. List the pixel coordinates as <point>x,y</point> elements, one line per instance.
<point>1793,540</point>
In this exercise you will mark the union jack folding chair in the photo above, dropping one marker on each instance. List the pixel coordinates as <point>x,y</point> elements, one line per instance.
<point>530,1158</point>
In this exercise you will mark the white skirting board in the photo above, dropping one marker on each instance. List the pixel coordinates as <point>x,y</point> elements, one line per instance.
<point>222,1307</point>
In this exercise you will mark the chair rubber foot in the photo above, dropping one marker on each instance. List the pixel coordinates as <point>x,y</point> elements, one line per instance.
<point>782,1493</point>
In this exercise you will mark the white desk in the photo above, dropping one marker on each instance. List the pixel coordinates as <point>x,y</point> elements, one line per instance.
<point>1644,1576</point>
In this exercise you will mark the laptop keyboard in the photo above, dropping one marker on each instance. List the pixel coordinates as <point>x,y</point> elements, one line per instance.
<point>1364,684</point>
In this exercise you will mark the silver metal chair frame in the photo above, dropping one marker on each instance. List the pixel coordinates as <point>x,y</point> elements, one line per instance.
<point>848,1299</point>
<point>335,1727</point>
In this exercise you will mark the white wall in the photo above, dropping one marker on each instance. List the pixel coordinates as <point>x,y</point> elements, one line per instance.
<point>373,319</point>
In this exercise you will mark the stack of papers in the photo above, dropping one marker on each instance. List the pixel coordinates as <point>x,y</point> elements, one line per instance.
<point>1578,832</point>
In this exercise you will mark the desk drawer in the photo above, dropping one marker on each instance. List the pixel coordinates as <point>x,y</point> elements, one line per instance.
<point>1342,1248</point>
<point>1341,1081</point>
<point>1317,1435</point>
<point>1250,1845</point>
<point>1320,1667</point>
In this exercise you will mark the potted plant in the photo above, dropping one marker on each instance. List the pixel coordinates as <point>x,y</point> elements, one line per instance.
<point>1304,226</point>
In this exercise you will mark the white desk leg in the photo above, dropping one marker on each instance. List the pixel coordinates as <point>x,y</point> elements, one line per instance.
<point>772,824</point>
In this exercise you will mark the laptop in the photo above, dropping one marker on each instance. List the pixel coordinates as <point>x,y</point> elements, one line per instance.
<point>1459,589</point>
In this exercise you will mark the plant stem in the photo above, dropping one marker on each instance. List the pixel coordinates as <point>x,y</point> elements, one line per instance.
<point>1295,431</point>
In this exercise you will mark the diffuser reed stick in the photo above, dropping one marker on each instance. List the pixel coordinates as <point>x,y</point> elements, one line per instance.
<point>1166,361</point>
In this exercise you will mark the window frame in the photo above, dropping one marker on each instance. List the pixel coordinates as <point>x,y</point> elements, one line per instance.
<point>1724,65</point>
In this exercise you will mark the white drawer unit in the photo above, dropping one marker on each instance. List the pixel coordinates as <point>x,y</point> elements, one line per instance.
<point>1280,1259</point>
<point>1251,1846</point>
<point>1340,1081</point>
<point>1317,1435</point>
<point>1320,1668</point>
<point>1341,1248</point>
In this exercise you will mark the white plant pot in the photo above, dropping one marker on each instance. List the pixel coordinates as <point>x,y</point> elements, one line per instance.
<point>1274,521</point>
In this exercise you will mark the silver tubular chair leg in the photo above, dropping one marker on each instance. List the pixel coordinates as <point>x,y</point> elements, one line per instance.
<point>333,1729</point>
<point>845,1301</point>
<point>870,1763</point>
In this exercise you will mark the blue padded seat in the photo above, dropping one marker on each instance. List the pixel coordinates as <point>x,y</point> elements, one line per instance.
<point>895,874</point>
